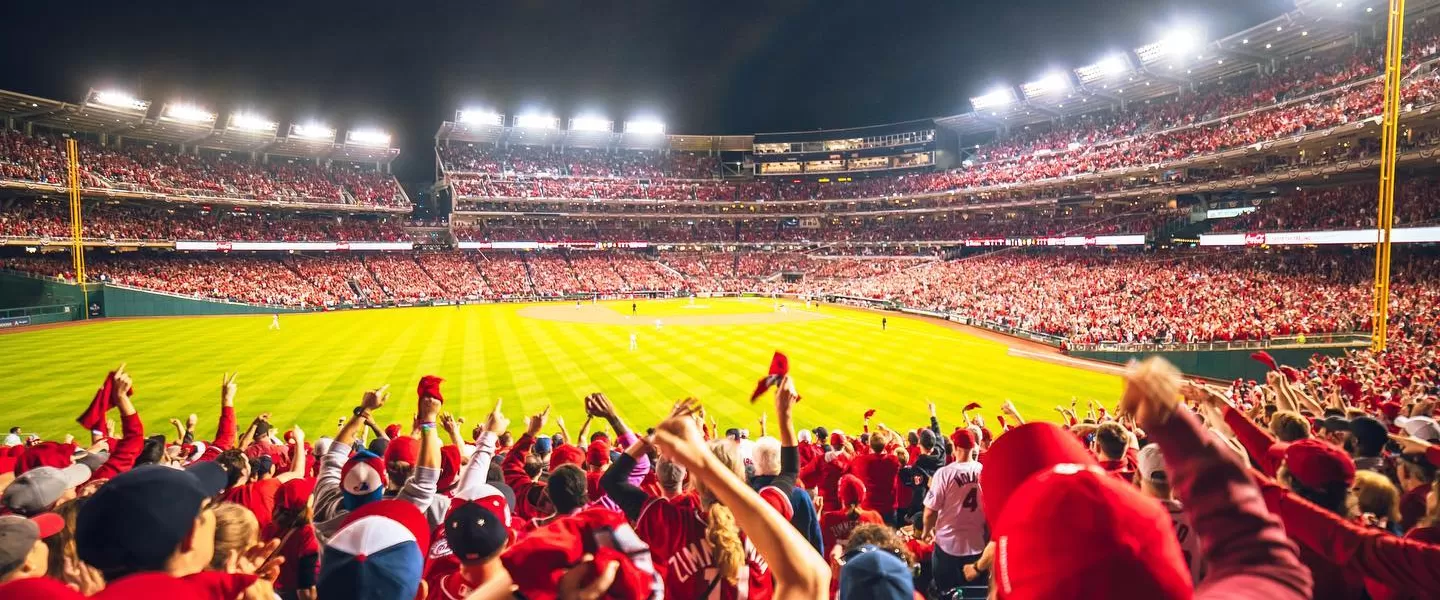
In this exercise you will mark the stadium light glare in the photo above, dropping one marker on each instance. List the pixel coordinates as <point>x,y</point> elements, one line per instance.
<point>188,113</point>
<point>251,122</point>
<point>313,131</point>
<point>474,116</point>
<point>994,99</point>
<point>537,121</point>
<point>590,123</point>
<point>1054,82</point>
<point>118,99</point>
<point>645,127</point>
<point>368,137</point>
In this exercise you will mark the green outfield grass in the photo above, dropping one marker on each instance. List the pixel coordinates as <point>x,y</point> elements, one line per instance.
<point>315,368</point>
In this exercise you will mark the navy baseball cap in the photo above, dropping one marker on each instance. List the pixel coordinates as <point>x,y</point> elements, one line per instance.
<point>872,572</point>
<point>543,445</point>
<point>135,521</point>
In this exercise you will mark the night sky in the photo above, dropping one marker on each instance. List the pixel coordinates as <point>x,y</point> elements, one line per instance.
<point>702,67</point>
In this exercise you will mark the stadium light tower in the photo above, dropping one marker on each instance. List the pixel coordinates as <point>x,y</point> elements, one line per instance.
<point>999,97</point>
<point>645,127</point>
<point>477,116</point>
<point>591,123</point>
<point>187,113</point>
<point>368,137</point>
<point>537,121</point>
<point>312,131</point>
<point>1053,83</point>
<point>245,121</point>
<point>117,100</point>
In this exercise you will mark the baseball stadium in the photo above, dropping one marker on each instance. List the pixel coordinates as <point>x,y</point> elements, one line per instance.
<point>1157,322</point>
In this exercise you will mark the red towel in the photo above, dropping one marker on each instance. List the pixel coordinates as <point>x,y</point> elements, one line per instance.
<point>1264,358</point>
<point>93,418</point>
<point>430,388</point>
<point>779,368</point>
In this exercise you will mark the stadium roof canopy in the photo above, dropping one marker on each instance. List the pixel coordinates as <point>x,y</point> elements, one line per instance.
<point>1177,65</point>
<point>232,132</point>
<point>457,132</point>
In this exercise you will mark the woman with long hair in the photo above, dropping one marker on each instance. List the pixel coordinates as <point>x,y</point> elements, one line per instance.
<point>722,540</point>
<point>293,527</point>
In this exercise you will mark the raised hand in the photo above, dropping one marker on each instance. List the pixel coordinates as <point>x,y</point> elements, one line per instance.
<point>374,399</point>
<point>1152,391</point>
<point>786,397</point>
<point>227,389</point>
<point>597,405</point>
<point>495,422</point>
<point>681,439</point>
<point>536,422</point>
<point>429,408</point>
<point>120,393</point>
<point>299,436</point>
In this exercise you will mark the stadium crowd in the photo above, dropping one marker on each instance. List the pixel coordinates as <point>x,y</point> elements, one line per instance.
<point>1078,297</point>
<point>578,162</point>
<point>149,168</point>
<point>1318,482</point>
<point>1338,208</point>
<point>133,221</point>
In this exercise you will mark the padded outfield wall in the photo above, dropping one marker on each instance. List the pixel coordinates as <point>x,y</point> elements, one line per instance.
<point>28,300</point>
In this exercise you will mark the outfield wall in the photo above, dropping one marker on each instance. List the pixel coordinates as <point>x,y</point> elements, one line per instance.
<point>125,301</point>
<point>1219,364</point>
<point>30,300</point>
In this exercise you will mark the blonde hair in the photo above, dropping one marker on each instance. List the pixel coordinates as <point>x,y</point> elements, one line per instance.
<point>721,531</point>
<point>236,530</point>
<point>1377,496</point>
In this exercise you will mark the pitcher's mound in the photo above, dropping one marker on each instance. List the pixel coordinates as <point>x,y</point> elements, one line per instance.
<point>598,315</point>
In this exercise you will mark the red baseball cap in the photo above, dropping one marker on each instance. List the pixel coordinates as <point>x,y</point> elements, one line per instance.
<point>294,494</point>
<point>852,490</point>
<point>403,449</point>
<point>1317,464</point>
<point>1022,452</point>
<point>1111,541</point>
<point>963,439</point>
<point>538,560</point>
<point>597,454</point>
<point>565,454</point>
<point>1390,409</point>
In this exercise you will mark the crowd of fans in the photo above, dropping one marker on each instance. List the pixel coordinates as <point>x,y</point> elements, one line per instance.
<point>21,218</point>
<point>1075,297</point>
<point>1338,208</point>
<point>1181,298</point>
<point>578,162</point>
<point>149,168</point>
<point>948,226</point>
<point>1318,482</point>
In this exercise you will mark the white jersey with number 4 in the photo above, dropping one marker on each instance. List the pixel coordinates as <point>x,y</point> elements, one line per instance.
<point>954,495</point>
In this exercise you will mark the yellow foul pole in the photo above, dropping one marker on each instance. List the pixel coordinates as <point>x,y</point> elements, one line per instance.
<point>1389,134</point>
<point>77,229</point>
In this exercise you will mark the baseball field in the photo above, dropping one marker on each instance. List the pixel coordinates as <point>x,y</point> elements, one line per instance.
<point>314,367</point>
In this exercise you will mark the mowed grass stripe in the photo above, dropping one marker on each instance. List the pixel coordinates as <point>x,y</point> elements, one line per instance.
<point>315,368</point>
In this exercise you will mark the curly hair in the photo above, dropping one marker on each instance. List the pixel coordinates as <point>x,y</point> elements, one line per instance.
<point>721,530</point>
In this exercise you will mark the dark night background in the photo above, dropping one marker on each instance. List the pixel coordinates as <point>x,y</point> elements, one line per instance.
<point>702,67</point>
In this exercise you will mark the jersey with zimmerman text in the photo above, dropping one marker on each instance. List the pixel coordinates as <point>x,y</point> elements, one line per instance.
<point>675,530</point>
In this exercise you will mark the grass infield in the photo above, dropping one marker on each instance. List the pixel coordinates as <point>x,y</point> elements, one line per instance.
<point>314,369</point>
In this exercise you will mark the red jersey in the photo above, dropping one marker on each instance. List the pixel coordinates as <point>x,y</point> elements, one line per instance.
<point>675,530</point>
<point>258,496</point>
<point>879,472</point>
<point>835,526</point>
<point>301,549</point>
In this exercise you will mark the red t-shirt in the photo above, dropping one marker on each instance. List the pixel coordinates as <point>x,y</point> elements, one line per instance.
<point>258,496</point>
<point>835,526</point>
<point>878,472</point>
<point>295,547</point>
<point>675,530</point>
